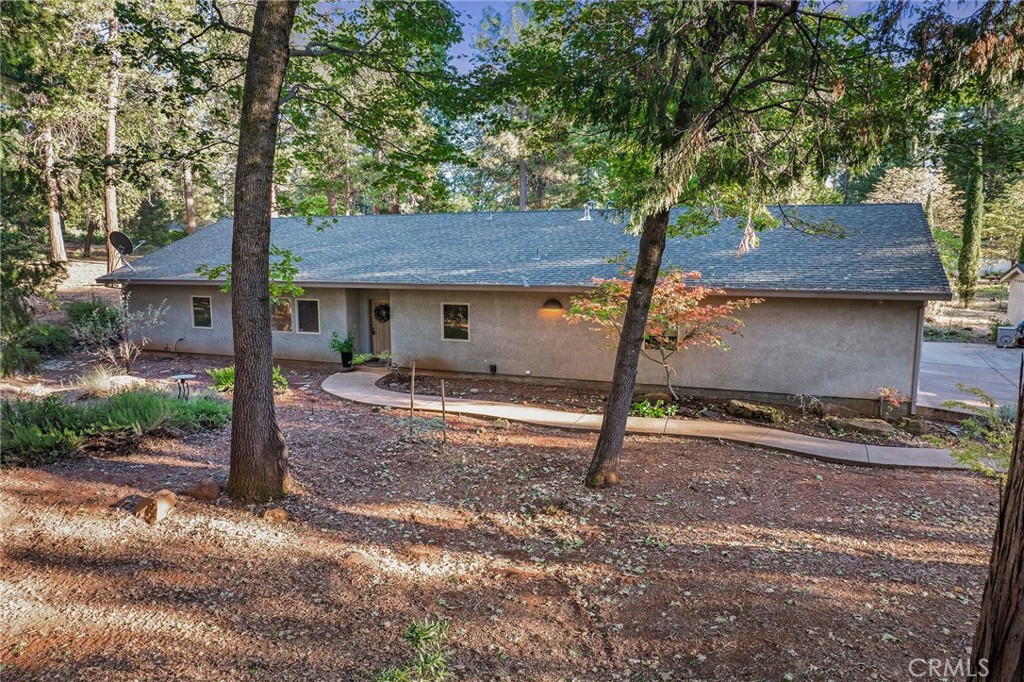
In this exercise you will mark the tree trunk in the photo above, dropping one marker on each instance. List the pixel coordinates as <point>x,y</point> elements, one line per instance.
<point>190,197</point>
<point>603,470</point>
<point>109,189</point>
<point>259,455</point>
<point>348,187</point>
<point>273,197</point>
<point>522,183</point>
<point>394,207</point>
<point>90,232</point>
<point>999,640</point>
<point>57,252</point>
<point>332,201</point>
<point>970,252</point>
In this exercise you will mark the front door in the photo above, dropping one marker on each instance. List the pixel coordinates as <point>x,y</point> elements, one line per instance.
<point>380,326</point>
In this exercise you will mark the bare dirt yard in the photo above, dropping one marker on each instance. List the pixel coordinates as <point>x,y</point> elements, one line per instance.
<point>710,562</point>
<point>951,321</point>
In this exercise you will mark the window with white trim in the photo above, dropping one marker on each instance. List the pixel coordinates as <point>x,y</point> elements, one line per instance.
<point>308,310</point>
<point>202,312</point>
<point>455,319</point>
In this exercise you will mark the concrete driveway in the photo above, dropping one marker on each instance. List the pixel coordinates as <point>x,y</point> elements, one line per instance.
<point>944,365</point>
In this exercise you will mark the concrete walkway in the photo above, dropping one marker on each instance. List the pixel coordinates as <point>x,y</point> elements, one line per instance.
<point>944,365</point>
<point>360,386</point>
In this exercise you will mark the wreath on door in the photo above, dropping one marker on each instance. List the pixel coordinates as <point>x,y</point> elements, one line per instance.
<point>382,312</point>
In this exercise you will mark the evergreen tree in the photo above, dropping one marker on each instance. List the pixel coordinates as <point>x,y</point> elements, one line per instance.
<point>969,263</point>
<point>723,105</point>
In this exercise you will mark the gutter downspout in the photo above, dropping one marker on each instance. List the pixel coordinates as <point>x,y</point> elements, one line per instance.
<point>916,374</point>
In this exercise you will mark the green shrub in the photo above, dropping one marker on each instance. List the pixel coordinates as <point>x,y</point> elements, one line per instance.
<point>94,324</point>
<point>985,443</point>
<point>15,358</point>
<point>224,378</point>
<point>47,339</point>
<point>79,312</point>
<point>131,413</point>
<point>363,358</point>
<point>428,663</point>
<point>932,333</point>
<point>993,327</point>
<point>200,414</point>
<point>656,410</point>
<point>37,432</point>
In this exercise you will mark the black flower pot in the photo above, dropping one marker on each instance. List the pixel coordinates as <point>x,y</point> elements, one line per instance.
<point>346,359</point>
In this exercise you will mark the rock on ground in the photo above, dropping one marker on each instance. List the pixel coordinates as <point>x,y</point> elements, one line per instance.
<point>834,410</point>
<point>157,507</point>
<point>207,490</point>
<point>358,560</point>
<point>656,396</point>
<point>918,427</point>
<point>739,408</point>
<point>871,427</point>
<point>275,515</point>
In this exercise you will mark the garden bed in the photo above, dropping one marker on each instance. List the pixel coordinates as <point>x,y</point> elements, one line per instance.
<point>591,401</point>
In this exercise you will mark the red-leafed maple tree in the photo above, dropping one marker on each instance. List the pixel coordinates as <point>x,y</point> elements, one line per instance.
<point>679,316</point>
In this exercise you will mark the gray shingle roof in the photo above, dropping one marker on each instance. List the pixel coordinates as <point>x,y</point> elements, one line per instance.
<point>887,250</point>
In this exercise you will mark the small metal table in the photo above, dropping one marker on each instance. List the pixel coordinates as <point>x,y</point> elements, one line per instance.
<point>183,388</point>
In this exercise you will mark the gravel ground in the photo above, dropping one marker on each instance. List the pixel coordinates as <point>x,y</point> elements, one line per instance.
<point>711,561</point>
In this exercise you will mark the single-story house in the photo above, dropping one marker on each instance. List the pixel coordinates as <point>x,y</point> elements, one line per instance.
<point>1014,281</point>
<point>485,293</point>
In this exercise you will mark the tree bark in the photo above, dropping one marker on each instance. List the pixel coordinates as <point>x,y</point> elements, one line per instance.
<point>332,201</point>
<point>348,187</point>
<point>603,470</point>
<point>57,251</point>
<point>190,197</point>
<point>970,252</point>
<point>90,232</point>
<point>109,188</point>
<point>999,640</point>
<point>259,455</point>
<point>522,183</point>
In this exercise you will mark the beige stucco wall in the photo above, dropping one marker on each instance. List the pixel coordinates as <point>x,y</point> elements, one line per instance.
<point>177,334</point>
<point>825,347</point>
<point>835,347</point>
<point>1015,306</point>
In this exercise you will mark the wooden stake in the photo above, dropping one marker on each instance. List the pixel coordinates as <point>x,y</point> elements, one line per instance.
<point>412,396</point>
<point>444,419</point>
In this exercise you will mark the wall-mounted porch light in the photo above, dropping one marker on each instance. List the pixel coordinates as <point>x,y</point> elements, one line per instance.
<point>552,304</point>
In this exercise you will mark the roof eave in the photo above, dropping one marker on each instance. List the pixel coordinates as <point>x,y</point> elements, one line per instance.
<point>1015,271</point>
<point>925,295</point>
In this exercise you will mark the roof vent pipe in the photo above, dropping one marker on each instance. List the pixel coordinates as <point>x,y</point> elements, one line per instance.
<point>586,210</point>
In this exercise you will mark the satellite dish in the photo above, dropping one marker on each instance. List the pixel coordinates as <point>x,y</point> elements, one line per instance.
<point>124,247</point>
<point>121,242</point>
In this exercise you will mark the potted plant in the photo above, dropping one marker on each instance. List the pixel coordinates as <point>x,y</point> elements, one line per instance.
<point>344,346</point>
